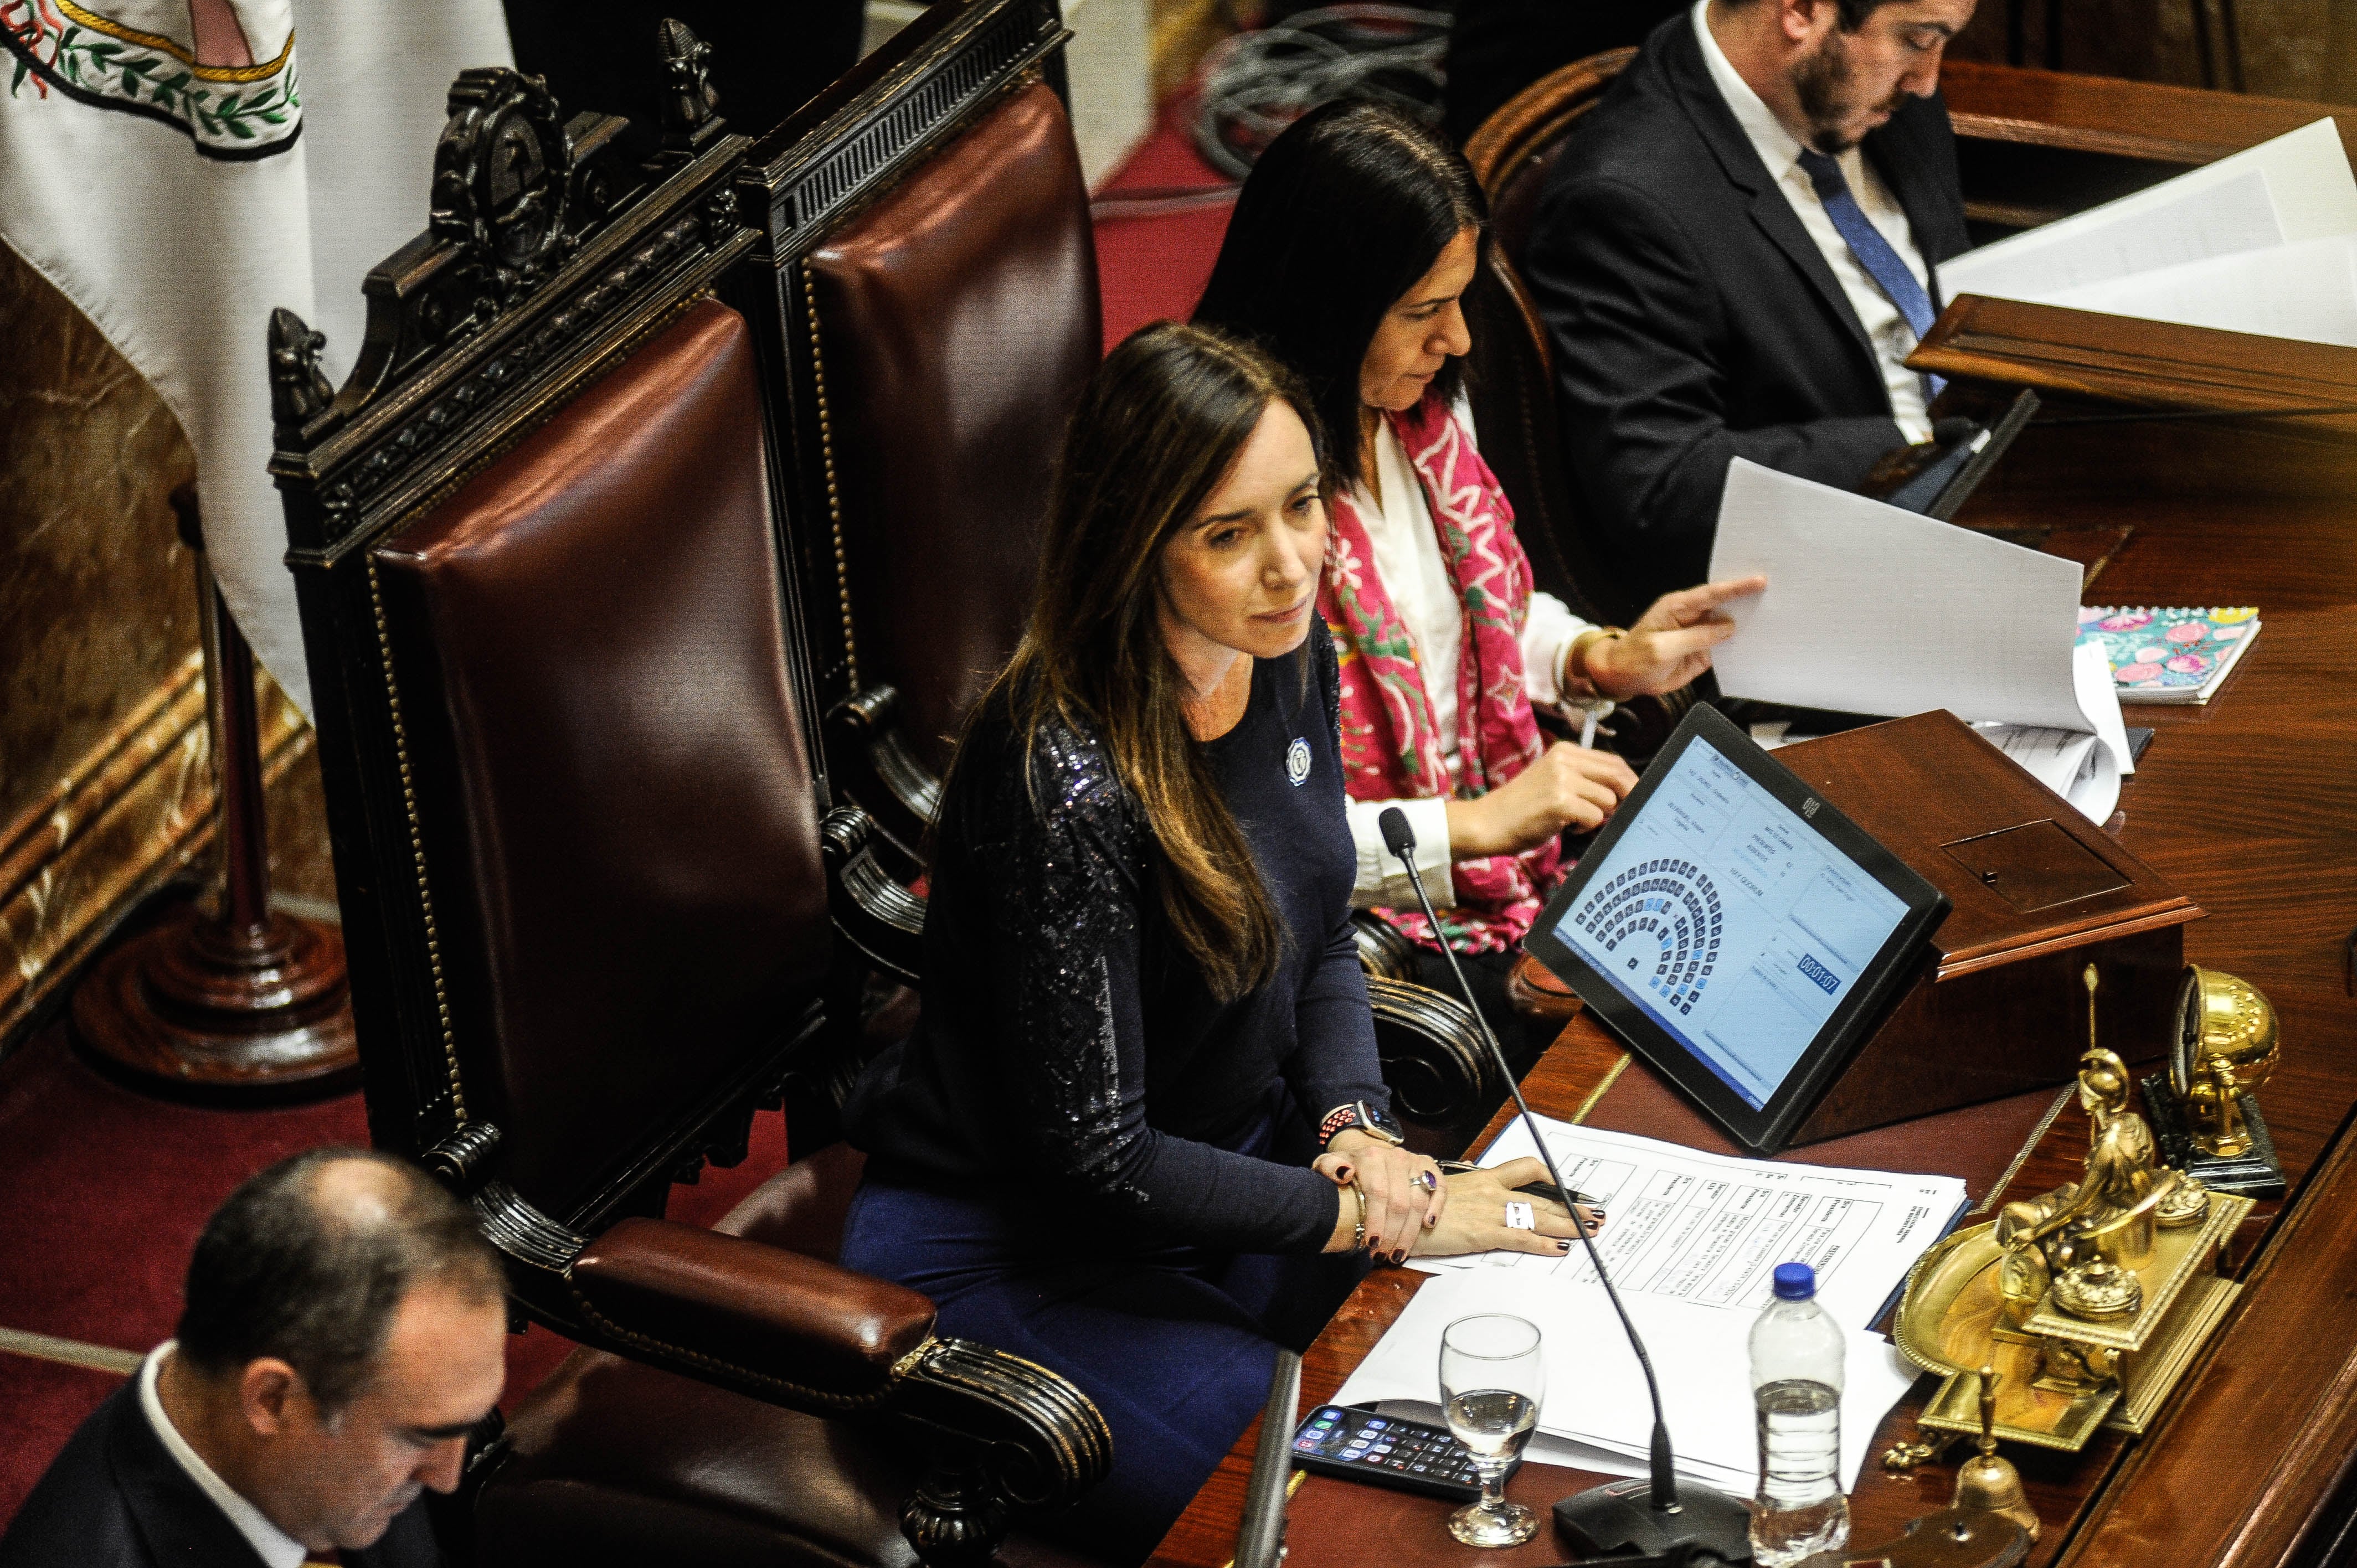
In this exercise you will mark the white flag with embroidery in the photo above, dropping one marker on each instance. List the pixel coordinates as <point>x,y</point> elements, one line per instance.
<point>178,169</point>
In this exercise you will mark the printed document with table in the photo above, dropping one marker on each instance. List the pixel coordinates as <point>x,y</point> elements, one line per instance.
<point>1691,1240</point>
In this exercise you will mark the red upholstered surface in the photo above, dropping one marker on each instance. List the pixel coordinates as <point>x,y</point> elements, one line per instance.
<point>102,1190</point>
<point>1153,269</point>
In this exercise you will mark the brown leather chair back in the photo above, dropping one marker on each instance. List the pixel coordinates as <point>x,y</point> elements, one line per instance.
<point>616,816</point>
<point>1514,381</point>
<point>952,323</point>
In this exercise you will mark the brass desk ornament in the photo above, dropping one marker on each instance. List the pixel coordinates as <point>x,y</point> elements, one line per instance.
<point>2205,1109</point>
<point>1987,1482</point>
<point>2086,1303</point>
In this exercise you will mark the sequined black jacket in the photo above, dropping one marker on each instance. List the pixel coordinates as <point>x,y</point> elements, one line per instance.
<point>1070,1049</point>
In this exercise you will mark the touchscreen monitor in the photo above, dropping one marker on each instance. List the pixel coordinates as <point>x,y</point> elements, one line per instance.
<point>1735,928</point>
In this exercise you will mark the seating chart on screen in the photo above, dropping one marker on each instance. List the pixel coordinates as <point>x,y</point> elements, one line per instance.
<point>1733,923</point>
<point>1667,911</point>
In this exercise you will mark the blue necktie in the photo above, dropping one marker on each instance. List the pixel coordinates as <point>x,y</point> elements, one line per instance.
<point>1871,250</point>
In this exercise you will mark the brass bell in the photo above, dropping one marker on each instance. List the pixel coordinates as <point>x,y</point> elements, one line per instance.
<point>1987,1482</point>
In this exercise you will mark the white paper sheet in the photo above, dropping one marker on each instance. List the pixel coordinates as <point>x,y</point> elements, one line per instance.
<point>1871,609</point>
<point>2305,291</point>
<point>2083,768</point>
<point>2303,178</point>
<point>1709,1230</point>
<point>1596,1402</point>
<point>2214,219</point>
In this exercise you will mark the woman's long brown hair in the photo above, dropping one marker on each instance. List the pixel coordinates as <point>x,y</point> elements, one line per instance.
<point>1157,429</point>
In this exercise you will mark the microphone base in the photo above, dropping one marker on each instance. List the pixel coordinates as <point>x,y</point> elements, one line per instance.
<point>1619,1519</point>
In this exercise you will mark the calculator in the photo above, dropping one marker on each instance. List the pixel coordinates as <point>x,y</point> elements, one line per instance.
<point>1385,1451</point>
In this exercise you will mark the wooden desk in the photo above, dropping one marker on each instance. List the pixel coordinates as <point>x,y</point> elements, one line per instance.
<point>2250,806</point>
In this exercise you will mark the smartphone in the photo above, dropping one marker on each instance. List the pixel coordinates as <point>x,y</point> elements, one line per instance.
<point>1386,1451</point>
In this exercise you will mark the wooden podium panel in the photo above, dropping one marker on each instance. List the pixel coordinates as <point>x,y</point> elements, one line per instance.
<point>2036,894</point>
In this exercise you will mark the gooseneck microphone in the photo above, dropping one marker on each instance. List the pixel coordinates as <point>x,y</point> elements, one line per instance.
<point>1607,1517</point>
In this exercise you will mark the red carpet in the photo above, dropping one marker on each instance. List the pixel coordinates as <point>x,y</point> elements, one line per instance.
<point>102,1190</point>
<point>1152,269</point>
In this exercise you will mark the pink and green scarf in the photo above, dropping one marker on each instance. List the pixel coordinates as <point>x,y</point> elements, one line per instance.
<point>1390,749</point>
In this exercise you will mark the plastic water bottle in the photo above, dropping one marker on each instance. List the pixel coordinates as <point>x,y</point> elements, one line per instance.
<point>1796,1383</point>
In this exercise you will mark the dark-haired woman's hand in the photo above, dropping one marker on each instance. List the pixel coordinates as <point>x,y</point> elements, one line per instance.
<point>1669,646</point>
<point>1479,1219</point>
<point>1401,1206</point>
<point>1568,786</point>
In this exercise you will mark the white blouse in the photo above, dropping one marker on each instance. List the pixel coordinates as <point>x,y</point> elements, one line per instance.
<point>1407,549</point>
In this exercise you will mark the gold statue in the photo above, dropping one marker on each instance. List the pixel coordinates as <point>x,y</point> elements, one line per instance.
<point>1988,1483</point>
<point>2103,1290</point>
<point>2084,1240</point>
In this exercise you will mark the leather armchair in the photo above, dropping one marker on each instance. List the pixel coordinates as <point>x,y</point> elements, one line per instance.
<point>577,811</point>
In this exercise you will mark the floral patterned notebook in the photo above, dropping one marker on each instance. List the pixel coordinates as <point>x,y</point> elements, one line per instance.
<point>2169,655</point>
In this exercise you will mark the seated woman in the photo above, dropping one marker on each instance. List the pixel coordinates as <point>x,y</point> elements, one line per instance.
<point>1351,243</point>
<point>1140,1135</point>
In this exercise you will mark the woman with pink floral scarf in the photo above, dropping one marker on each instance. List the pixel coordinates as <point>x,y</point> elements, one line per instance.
<point>1350,248</point>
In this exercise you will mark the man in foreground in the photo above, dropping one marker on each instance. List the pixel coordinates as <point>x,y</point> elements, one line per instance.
<point>1735,254</point>
<point>344,1330</point>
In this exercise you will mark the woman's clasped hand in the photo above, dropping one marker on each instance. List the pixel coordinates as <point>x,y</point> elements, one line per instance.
<point>1414,1210</point>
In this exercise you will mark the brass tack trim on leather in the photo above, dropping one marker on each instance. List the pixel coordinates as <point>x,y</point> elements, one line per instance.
<point>834,494</point>
<point>614,1330</point>
<point>417,844</point>
<point>908,1363</point>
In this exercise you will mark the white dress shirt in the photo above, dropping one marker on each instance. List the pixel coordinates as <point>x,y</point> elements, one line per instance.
<point>1407,549</point>
<point>1780,152</point>
<point>271,1545</point>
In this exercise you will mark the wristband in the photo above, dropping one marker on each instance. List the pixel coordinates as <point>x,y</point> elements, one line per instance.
<point>1358,1234</point>
<point>1575,663</point>
<point>1356,1114</point>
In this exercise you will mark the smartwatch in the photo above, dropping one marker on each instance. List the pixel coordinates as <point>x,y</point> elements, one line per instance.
<point>1374,1123</point>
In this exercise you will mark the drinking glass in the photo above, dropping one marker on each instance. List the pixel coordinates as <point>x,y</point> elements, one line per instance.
<point>1492,1380</point>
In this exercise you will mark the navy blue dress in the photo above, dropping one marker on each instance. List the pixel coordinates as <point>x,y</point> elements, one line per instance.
<point>1082,1155</point>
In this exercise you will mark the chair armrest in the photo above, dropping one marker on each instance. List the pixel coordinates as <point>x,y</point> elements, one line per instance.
<point>759,1310</point>
<point>875,913</point>
<point>1433,1054</point>
<point>1383,950</point>
<point>869,720</point>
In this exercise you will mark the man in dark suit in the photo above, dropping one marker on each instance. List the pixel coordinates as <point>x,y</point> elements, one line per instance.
<point>1735,253</point>
<point>343,1332</point>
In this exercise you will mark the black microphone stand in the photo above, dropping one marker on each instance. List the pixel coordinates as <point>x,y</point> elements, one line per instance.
<point>1612,1518</point>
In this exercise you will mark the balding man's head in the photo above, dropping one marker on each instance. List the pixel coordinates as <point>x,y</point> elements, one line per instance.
<point>308,1262</point>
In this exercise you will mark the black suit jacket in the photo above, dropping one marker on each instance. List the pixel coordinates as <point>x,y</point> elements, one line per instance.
<point>114,1498</point>
<point>1694,321</point>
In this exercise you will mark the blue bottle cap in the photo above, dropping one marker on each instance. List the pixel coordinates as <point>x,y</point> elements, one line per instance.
<point>1795,1282</point>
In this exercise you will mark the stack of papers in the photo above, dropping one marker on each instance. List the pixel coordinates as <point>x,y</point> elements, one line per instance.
<point>1870,608</point>
<point>1692,1240</point>
<point>2264,242</point>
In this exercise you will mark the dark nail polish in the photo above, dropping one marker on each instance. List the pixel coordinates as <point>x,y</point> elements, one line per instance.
<point>1399,1257</point>
<point>1563,1245</point>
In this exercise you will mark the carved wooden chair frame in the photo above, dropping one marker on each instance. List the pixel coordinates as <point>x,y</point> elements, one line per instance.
<point>478,332</point>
